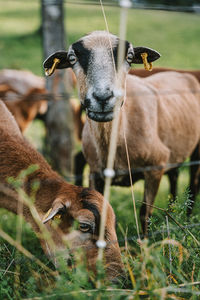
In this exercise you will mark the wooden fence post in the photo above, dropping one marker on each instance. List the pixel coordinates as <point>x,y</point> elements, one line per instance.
<point>59,123</point>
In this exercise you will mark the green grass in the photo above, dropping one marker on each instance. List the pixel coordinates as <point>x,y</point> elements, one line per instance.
<point>176,37</point>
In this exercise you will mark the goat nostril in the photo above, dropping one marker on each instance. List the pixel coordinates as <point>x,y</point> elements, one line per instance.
<point>87,102</point>
<point>103,96</point>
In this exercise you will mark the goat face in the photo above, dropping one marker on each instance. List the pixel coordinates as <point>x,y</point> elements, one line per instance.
<point>101,81</point>
<point>79,228</point>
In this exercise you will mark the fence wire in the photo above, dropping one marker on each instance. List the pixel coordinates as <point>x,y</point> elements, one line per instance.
<point>145,6</point>
<point>11,96</point>
<point>118,172</point>
<point>136,170</point>
<point>195,8</point>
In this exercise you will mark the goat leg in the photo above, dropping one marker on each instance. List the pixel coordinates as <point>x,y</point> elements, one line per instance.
<point>194,178</point>
<point>173,181</point>
<point>152,182</point>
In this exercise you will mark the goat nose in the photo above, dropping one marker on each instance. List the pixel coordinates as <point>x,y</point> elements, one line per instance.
<point>103,95</point>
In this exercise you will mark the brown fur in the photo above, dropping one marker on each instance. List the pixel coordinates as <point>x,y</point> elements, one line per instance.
<point>17,155</point>
<point>78,118</point>
<point>5,88</point>
<point>144,73</point>
<point>26,109</point>
<point>24,94</point>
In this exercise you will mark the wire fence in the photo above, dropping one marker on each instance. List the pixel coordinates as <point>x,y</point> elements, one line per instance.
<point>145,6</point>
<point>193,8</point>
<point>118,172</point>
<point>136,170</point>
<point>9,96</point>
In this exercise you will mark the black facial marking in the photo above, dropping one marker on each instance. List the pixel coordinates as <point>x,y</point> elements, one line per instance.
<point>116,49</point>
<point>91,207</point>
<point>83,55</point>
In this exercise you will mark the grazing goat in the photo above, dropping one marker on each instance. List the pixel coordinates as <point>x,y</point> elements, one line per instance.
<point>161,113</point>
<point>57,197</point>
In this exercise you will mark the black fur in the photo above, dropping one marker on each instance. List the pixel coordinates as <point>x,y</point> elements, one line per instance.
<point>91,207</point>
<point>116,49</point>
<point>83,55</point>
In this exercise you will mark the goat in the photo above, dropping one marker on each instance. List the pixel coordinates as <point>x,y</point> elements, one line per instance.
<point>80,160</point>
<point>26,109</point>
<point>54,194</point>
<point>160,128</point>
<point>24,94</point>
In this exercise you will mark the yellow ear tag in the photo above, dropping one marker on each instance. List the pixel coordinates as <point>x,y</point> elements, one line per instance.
<point>57,217</point>
<point>47,214</point>
<point>49,72</point>
<point>148,66</point>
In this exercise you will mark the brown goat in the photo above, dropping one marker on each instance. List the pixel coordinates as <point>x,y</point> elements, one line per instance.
<point>25,96</point>
<point>26,109</point>
<point>57,197</point>
<point>124,180</point>
<point>161,113</point>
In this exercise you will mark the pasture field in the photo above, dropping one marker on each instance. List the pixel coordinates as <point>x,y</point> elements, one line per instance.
<point>155,268</point>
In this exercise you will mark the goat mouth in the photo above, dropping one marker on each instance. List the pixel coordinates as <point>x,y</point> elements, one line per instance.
<point>100,116</point>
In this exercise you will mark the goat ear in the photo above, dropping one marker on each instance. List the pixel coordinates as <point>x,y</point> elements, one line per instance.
<point>152,55</point>
<point>57,209</point>
<point>57,60</point>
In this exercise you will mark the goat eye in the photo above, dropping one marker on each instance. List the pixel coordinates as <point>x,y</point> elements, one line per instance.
<point>72,59</point>
<point>129,57</point>
<point>84,227</point>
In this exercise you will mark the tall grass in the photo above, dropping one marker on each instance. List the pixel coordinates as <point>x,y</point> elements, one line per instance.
<point>149,271</point>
